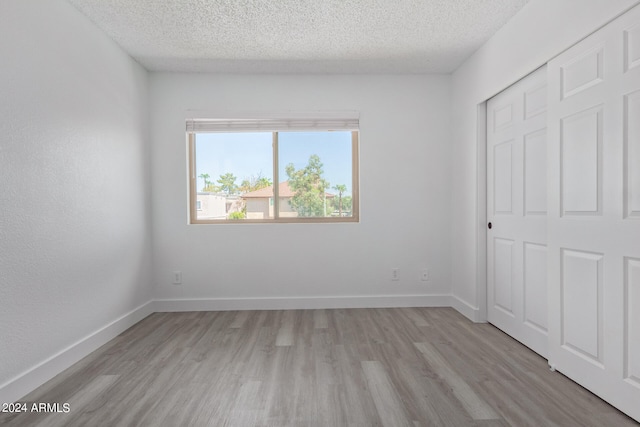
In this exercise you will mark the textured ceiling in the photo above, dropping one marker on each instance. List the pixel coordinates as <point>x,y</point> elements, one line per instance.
<point>300,36</point>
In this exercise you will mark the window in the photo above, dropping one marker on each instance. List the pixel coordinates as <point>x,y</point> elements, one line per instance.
<point>273,170</point>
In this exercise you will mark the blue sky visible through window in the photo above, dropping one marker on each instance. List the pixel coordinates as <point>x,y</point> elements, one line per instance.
<point>250,154</point>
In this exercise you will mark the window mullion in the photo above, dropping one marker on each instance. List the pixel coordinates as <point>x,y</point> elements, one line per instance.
<point>193,183</point>
<point>276,182</point>
<point>355,174</point>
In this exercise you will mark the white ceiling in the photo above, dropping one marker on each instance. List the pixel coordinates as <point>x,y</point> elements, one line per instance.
<point>300,36</point>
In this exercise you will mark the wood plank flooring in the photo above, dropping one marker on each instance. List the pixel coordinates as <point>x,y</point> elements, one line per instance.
<point>345,367</point>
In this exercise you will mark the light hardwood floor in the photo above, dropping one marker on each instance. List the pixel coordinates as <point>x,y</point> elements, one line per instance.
<point>345,367</point>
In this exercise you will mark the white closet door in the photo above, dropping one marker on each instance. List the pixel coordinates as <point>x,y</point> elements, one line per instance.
<point>517,209</point>
<point>594,213</point>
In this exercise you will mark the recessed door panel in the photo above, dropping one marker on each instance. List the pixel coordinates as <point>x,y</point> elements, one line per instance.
<point>503,273</point>
<point>535,101</point>
<point>502,117</point>
<point>535,285</point>
<point>581,144</point>
<point>632,47</point>
<point>632,154</point>
<point>582,303</point>
<point>503,178</point>
<point>632,320</point>
<point>535,173</point>
<point>582,72</point>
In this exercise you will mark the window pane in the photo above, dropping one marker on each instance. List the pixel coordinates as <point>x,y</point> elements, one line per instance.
<point>315,174</point>
<point>234,175</point>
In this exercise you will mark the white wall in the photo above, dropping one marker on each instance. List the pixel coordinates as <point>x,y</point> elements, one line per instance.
<point>405,194</point>
<point>541,30</point>
<point>74,233</point>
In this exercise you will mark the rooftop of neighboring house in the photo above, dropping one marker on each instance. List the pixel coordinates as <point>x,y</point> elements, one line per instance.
<point>283,191</point>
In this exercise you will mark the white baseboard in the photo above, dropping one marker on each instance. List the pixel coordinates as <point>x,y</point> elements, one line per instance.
<point>470,312</point>
<point>301,303</point>
<point>33,378</point>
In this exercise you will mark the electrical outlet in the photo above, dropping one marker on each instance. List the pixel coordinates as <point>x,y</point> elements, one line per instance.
<point>177,277</point>
<point>425,275</point>
<point>395,274</point>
